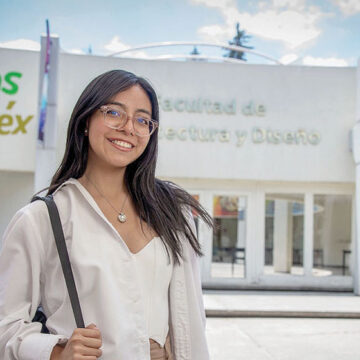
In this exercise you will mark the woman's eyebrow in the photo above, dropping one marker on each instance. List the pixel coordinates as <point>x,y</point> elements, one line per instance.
<point>144,111</point>
<point>125,107</point>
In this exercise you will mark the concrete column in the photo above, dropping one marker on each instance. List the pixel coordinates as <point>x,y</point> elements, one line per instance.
<point>356,154</point>
<point>283,236</point>
<point>326,230</point>
<point>353,235</point>
<point>255,236</point>
<point>356,246</point>
<point>308,234</point>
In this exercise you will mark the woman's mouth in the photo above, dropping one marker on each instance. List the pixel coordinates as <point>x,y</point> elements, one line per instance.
<point>121,145</point>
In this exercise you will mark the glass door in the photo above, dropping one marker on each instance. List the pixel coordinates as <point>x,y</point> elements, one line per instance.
<point>229,237</point>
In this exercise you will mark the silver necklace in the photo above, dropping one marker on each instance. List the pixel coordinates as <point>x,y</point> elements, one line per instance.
<point>121,215</point>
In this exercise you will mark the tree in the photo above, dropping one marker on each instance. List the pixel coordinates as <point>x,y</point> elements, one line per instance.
<point>239,40</point>
<point>195,51</point>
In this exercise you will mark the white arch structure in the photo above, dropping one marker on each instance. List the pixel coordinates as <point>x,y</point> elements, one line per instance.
<point>197,43</point>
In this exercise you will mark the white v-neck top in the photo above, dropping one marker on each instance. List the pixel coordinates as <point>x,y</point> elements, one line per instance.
<point>107,281</point>
<point>154,271</point>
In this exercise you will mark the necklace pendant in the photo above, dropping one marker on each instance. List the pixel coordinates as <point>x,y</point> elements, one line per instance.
<point>122,217</point>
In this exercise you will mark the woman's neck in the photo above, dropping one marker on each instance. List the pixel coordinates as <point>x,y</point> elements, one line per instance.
<point>105,182</point>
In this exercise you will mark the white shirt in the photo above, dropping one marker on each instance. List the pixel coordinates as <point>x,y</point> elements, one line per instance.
<point>154,271</point>
<point>105,276</point>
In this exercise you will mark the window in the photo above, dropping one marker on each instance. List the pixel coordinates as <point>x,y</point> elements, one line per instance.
<point>284,234</point>
<point>332,235</point>
<point>229,237</point>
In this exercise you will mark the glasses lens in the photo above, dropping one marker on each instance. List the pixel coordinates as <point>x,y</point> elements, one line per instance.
<point>143,126</point>
<point>114,117</point>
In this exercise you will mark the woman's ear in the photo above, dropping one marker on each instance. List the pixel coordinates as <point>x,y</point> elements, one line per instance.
<point>87,128</point>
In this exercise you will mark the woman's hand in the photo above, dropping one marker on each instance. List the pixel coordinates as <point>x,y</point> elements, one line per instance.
<point>83,344</point>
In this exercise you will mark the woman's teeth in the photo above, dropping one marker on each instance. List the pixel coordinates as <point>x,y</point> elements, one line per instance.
<point>122,143</point>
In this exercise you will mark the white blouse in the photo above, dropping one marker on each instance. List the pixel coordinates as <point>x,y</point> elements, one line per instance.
<point>107,282</point>
<point>154,271</point>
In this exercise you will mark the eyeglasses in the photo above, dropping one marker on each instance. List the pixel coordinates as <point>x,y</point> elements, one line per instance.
<point>115,118</point>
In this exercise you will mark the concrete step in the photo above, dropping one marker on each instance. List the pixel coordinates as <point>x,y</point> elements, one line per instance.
<point>281,304</point>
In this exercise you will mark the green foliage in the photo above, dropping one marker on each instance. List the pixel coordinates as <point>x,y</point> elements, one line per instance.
<point>195,51</point>
<point>238,40</point>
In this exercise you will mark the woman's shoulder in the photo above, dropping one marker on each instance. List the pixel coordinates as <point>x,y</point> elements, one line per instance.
<point>32,222</point>
<point>27,225</point>
<point>36,213</point>
<point>33,211</point>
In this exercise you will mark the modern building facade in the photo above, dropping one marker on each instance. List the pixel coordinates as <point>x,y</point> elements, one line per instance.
<point>266,149</point>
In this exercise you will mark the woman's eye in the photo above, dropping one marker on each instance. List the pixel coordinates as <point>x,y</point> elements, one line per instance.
<point>113,113</point>
<point>142,120</point>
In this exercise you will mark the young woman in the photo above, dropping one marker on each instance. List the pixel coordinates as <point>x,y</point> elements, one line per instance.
<point>130,236</point>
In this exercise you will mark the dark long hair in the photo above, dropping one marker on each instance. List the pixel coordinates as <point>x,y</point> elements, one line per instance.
<point>159,203</point>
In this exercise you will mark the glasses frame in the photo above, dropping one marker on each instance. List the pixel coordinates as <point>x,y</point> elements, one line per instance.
<point>104,108</point>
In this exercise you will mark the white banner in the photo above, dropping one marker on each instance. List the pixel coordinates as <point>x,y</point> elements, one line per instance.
<point>18,109</point>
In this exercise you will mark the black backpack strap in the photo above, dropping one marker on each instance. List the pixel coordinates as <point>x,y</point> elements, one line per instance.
<point>64,257</point>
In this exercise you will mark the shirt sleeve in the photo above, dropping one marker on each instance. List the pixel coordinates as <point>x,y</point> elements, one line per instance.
<point>196,272</point>
<point>199,347</point>
<point>21,262</point>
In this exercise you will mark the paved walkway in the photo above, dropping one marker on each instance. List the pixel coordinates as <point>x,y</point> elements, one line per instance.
<point>281,304</point>
<point>283,339</point>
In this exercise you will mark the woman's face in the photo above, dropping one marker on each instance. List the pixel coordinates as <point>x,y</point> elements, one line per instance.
<point>119,148</point>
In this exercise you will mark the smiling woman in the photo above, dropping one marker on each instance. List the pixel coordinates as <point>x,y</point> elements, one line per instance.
<point>130,236</point>
<point>115,140</point>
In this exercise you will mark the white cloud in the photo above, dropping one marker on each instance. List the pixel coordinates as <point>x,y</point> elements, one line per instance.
<point>298,5</point>
<point>22,44</point>
<point>294,23</point>
<point>288,59</point>
<point>331,61</point>
<point>116,45</point>
<point>348,7</point>
<point>76,51</point>
<point>216,3</point>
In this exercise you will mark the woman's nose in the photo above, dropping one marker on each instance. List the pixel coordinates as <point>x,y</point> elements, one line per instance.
<point>129,126</point>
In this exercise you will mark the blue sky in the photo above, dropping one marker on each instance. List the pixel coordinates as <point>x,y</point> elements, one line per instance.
<point>309,32</point>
